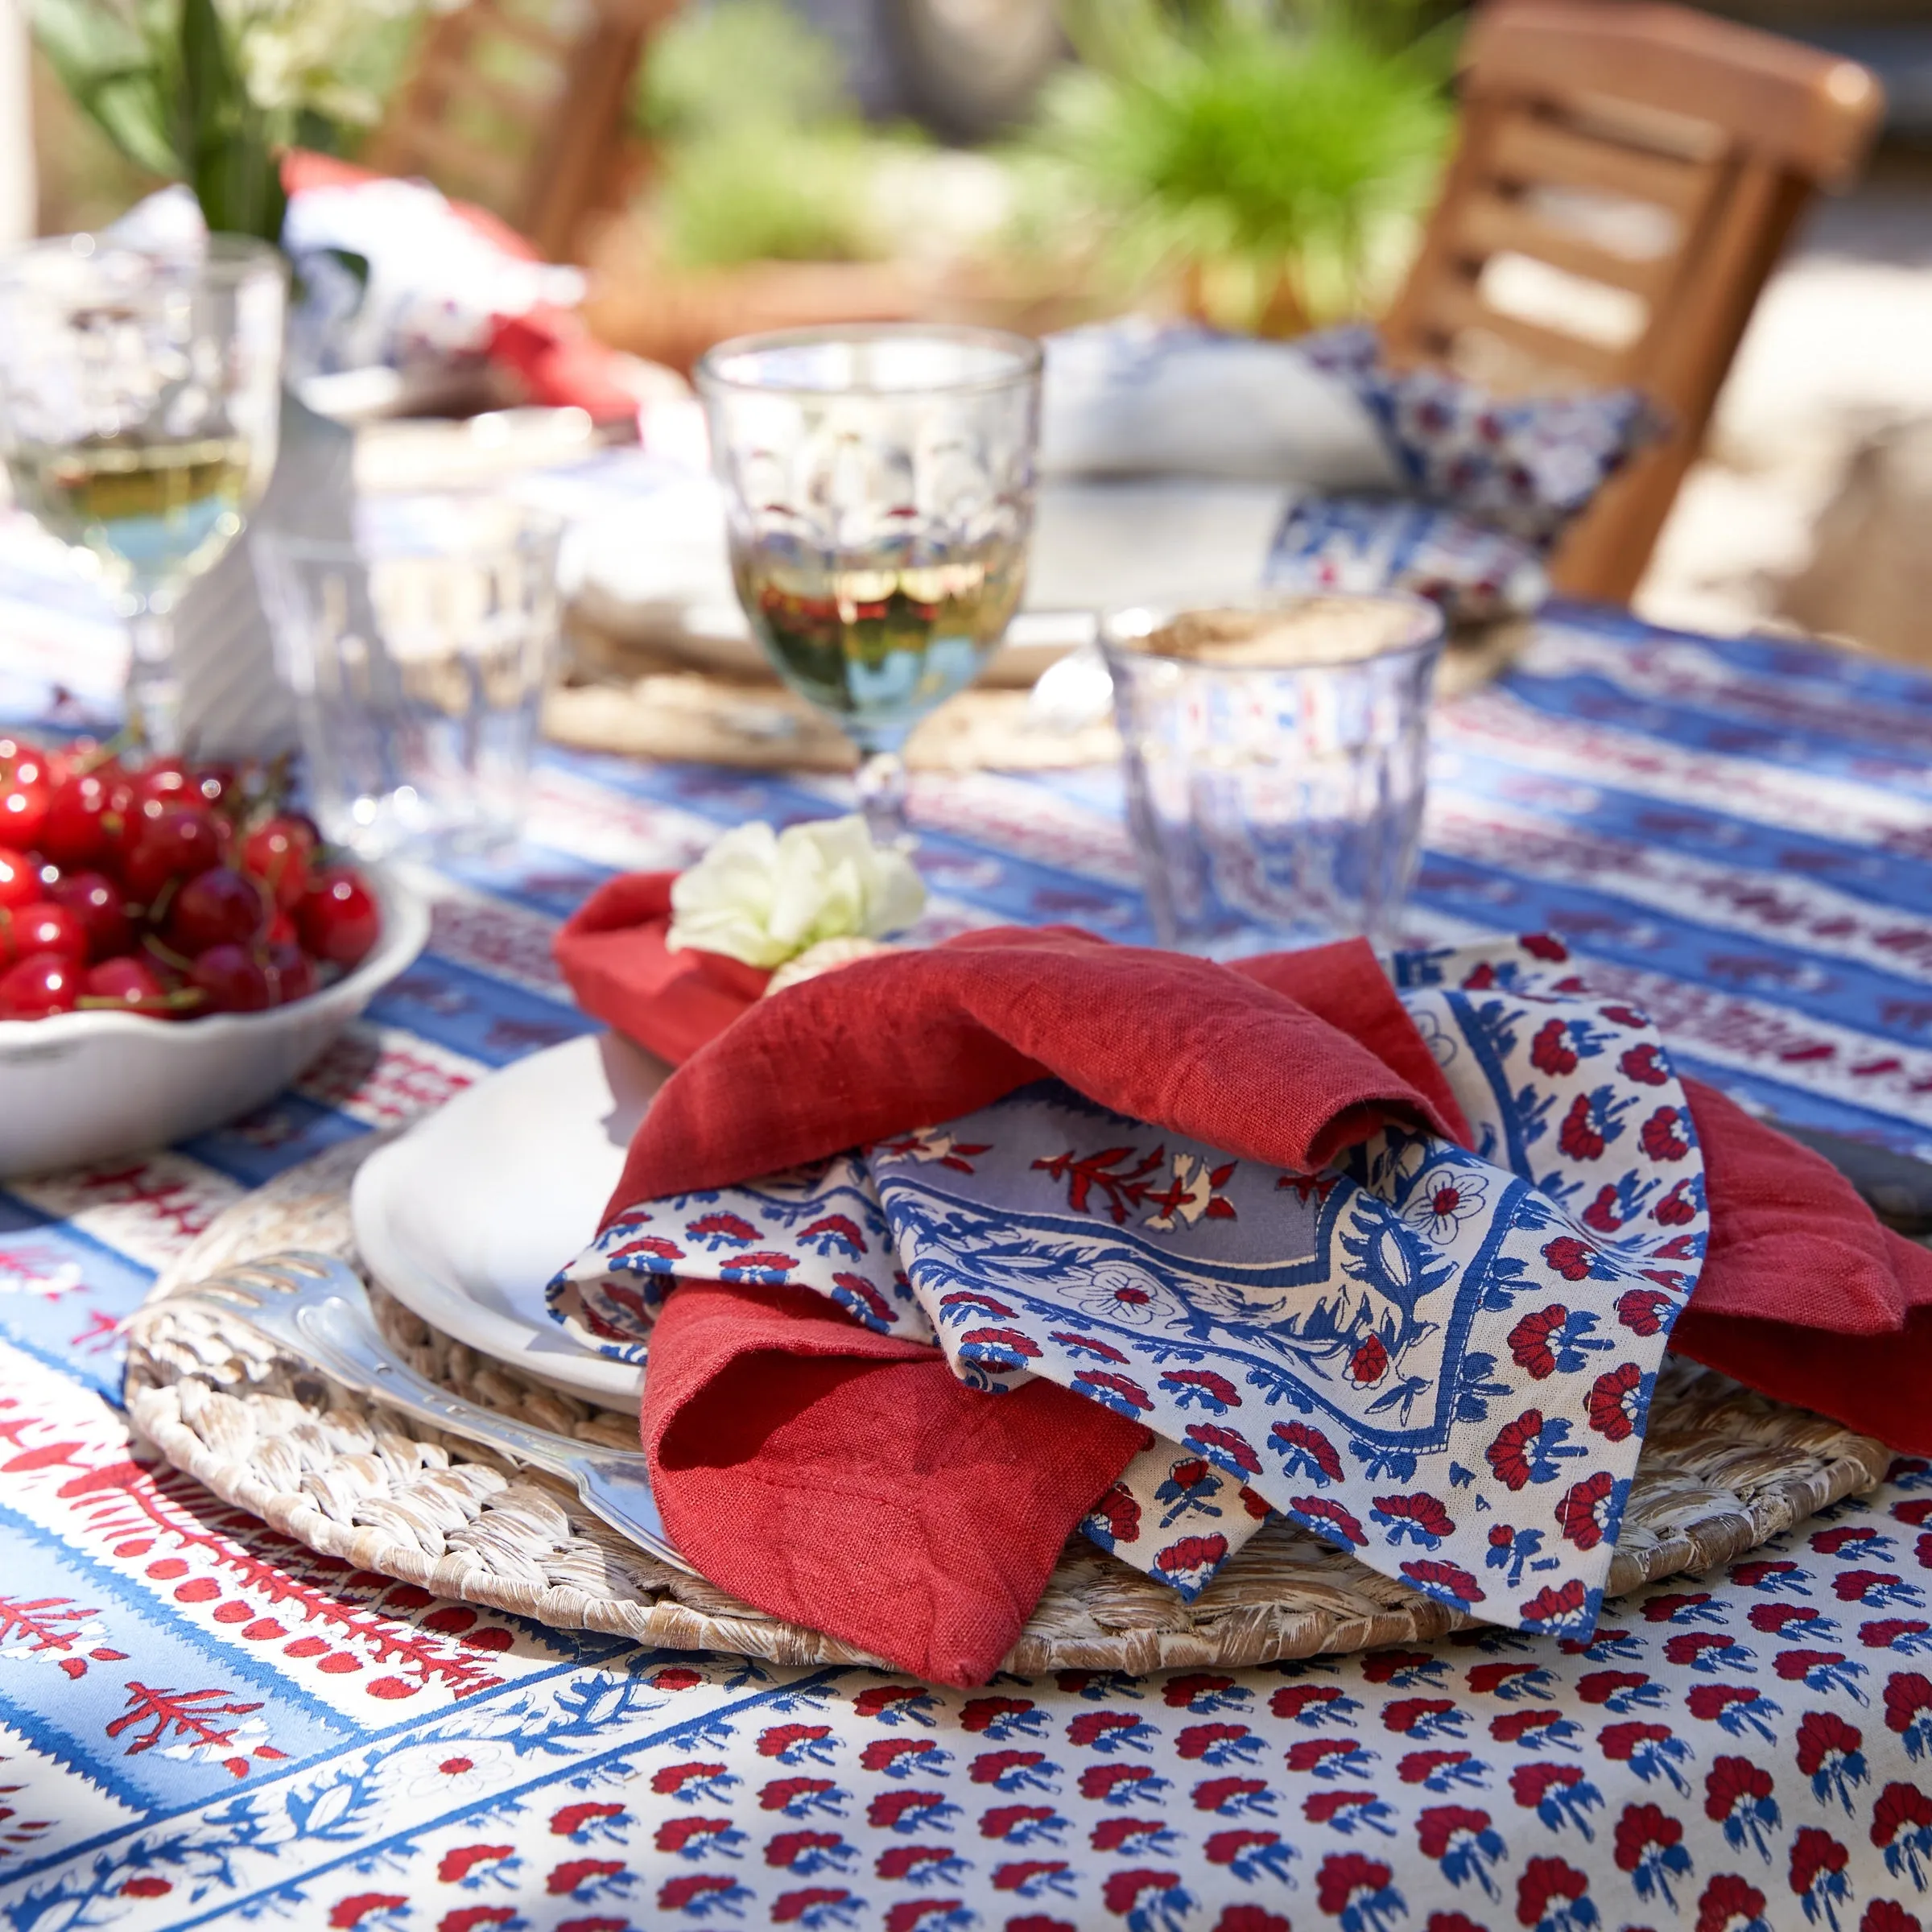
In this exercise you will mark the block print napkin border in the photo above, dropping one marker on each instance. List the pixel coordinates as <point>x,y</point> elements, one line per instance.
<point>1460,1401</point>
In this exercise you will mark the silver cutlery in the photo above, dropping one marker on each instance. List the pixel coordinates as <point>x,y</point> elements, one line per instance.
<point>315,1308</point>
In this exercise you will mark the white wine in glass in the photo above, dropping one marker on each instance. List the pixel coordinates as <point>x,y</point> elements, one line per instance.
<point>139,398</point>
<point>878,485</point>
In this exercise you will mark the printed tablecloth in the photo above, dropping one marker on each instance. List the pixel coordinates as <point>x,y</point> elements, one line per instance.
<point>201,1723</point>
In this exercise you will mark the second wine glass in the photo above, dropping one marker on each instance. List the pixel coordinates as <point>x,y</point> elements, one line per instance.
<point>879,486</point>
<point>138,408</point>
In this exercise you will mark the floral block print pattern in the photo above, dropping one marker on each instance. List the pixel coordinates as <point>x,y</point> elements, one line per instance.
<point>1438,1358</point>
<point>1750,1751</point>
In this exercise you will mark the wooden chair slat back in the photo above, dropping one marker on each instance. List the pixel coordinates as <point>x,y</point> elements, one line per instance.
<point>520,104</point>
<point>1626,178</point>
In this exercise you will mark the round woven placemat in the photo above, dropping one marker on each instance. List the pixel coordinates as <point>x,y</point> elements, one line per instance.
<point>1722,1471</point>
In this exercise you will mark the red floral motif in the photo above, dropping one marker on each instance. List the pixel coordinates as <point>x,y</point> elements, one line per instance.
<point>1732,1779</point>
<point>1544,946</point>
<point>1120,1513</point>
<point>1123,1889</point>
<point>1425,1512</point>
<point>1327,1518</point>
<point>1506,1454</point>
<point>1193,1557</point>
<point>1125,1188</point>
<point>1529,1339</point>
<point>1899,1806</point>
<point>1677,1207</point>
<point>1300,1443</point>
<point>1437,1826</point>
<point>1530,1783</point>
<point>1641,1309</point>
<point>1582,1514</point>
<point>1640,1063</point>
<point>1659,1136</point>
<point>1570,1258</point>
<point>1640,1827</point>
<point>1443,1579</point>
<point>1613,1401</point>
<point>1550,1051</point>
<point>1343,1875</point>
<point>1544,1879</point>
<point>1813,1852</point>
<point>1888,1915</point>
<point>1369,1363</point>
<point>1820,1733</point>
<point>1579,1137</point>
<point>1728,1904</point>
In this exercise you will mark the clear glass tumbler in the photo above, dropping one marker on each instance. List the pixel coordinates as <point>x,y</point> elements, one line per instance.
<point>140,401</point>
<point>417,654</point>
<point>879,484</point>
<point>1276,761</point>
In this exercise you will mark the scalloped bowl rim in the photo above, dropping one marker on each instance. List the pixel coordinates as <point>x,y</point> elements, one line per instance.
<point>404,933</point>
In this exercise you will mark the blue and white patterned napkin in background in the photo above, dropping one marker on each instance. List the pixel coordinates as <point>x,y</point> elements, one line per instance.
<point>1438,1358</point>
<point>1364,477</point>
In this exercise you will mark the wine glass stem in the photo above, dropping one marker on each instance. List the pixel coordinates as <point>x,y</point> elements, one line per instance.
<point>154,688</point>
<point>881,785</point>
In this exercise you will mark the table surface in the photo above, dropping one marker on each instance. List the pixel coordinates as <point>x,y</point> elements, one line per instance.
<point>201,1723</point>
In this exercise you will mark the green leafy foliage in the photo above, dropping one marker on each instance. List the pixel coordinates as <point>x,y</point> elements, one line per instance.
<point>209,92</point>
<point>1278,154</point>
<point>761,156</point>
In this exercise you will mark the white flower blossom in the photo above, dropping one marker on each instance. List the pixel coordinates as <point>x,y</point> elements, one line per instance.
<point>763,897</point>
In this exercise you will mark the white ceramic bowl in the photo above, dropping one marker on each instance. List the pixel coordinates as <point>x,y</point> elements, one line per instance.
<point>86,1087</point>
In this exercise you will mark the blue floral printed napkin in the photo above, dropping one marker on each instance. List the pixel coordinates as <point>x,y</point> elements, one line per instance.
<point>1438,1358</point>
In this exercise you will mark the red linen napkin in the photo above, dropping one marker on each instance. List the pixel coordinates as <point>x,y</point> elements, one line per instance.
<point>852,1482</point>
<point>1803,1295</point>
<point>1284,1060</point>
<point>849,1480</point>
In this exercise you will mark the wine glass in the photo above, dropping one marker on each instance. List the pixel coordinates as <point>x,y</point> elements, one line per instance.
<point>878,484</point>
<point>139,399</point>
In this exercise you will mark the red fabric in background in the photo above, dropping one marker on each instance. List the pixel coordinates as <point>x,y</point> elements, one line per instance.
<point>867,1493</point>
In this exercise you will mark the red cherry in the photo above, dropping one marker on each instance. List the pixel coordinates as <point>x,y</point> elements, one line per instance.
<point>95,900</point>
<point>19,881</point>
<point>232,979</point>
<point>127,982</point>
<point>216,907</point>
<point>43,927</point>
<point>338,917</point>
<point>25,794</point>
<point>279,853</point>
<point>292,972</point>
<point>173,783</point>
<point>281,930</point>
<point>177,843</point>
<point>43,983</point>
<point>78,830</point>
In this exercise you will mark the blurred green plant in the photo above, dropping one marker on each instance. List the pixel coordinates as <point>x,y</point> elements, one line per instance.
<point>210,92</point>
<point>760,155</point>
<point>1274,156</point>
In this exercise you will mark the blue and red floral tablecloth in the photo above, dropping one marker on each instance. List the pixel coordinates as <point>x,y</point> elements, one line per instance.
<point>203,1723</point>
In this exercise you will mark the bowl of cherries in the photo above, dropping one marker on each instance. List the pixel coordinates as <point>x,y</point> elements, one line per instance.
<point>175,946</point>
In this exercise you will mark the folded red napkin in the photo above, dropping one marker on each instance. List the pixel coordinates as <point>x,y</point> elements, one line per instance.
<point>1804,1296</point>
<point>792,1451</point>
<point>785,1481</point>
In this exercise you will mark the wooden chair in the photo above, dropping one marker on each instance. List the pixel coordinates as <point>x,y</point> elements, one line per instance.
<point>1625,179</point>
<point>520,105</point>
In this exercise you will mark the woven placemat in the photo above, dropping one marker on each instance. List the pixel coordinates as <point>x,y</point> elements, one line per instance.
<point>1722,1471</point>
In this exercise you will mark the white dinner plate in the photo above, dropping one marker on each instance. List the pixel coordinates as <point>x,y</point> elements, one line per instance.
<point>466,1217</point>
